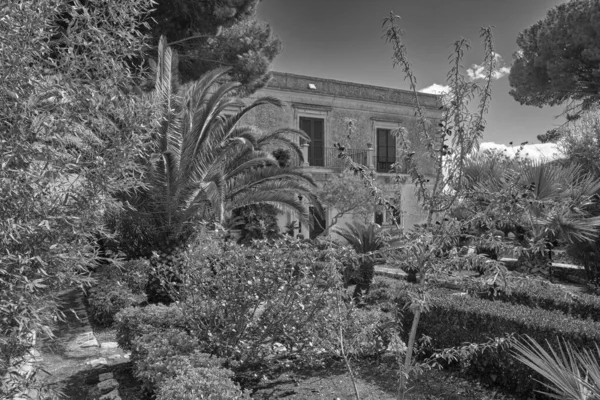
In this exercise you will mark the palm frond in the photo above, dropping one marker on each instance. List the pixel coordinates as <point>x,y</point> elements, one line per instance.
<point>281,200</point>
<point>250,164</point>
<point>266,100</point>
<point>258,177</point>
<point>363,238</point>
<point>571,226</point>
<point>562,369</point>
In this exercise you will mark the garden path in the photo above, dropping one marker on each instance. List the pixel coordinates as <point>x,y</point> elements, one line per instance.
<point>76,355</point>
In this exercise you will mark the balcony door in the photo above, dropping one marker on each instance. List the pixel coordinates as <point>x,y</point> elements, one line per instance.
<point>317,223</point>
<point>386,150</point>
<point>315,129</point>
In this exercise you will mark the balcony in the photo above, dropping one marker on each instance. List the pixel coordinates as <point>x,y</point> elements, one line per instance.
<point>328,158</point>
<point>384,165</point>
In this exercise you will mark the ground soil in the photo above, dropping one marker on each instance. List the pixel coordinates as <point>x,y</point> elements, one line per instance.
<point>374,381</point>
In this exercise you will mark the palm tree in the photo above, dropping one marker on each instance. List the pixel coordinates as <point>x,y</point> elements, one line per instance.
<point>554,203</point>
<point>203,162</point>
<point>365,240</point>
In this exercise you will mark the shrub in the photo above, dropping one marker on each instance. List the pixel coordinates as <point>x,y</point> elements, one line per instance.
<point>70,139</point>
<point>454,320</point>
<point>365,332</point>
<point>171,363</point>
<point>106,300</point>
<point>159,355</point>
<point>588,255</point>
<point>133,322</point>
<point>260,222</point>
<point>135,274</point>
<point>537,293</point>
<point>201,383</point>
<point>243,300</point>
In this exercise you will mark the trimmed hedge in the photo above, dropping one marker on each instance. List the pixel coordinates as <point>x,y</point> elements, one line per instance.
<point>544,295</point>
<point>454,320</point>
<point>201,383</point>
<point>133,322</point>
<point>168,360</point>
<point>159,355</point>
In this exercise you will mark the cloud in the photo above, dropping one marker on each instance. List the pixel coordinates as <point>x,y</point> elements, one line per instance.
<point>476,72</point>
<point>436,89</point>
<point>539,151</point>
<point>479,71</point>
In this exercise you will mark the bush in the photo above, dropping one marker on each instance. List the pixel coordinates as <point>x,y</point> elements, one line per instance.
<point>201,383</point>
<point>260,222</point>
<point>366,332</point>
<point>135,274</point>
<point>588,255</point>
<point>159,355</point>
<point>454,320</point>
<point>133,322</point>
<point>537,293</point>
<point>243,300</point>
<point>106,300</point>
<point>171,363</point>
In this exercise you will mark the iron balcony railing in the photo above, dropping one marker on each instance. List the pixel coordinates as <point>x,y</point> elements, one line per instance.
<point>333,160</point>
<point>384,165</point>
<point>329,158</point>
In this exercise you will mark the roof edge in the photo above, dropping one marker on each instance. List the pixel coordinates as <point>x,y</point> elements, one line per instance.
<point>363,85</point>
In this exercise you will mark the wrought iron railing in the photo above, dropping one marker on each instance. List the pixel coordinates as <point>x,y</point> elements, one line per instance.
<point>384,165</point>
<point>333,160</point>
<point>330,159</point>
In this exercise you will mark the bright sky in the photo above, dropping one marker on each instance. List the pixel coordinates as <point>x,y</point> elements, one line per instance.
<point>341,39</point>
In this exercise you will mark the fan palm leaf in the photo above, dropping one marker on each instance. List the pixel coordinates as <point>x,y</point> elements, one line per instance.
<point>568,371</point>
<point>559,197</point>
<point>364,239</point>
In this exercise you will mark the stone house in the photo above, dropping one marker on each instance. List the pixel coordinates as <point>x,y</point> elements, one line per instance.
<point>322,108</point>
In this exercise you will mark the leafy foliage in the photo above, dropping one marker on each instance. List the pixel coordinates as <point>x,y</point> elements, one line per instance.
<point>159,354</point>
<point>215,383</point>
<point>204,163</point>
<point>559,58</point>
<point>453,320</point>
<point>572,374</point>
<point>348,196</point>
<point>106,300</point>
<point>538,201</point>
<point>365,240</point>
<point>551,136</point>
<point>70,137</point>
<point>580,141</point>
<point>133,322</point>
<point>241,301</point>
<point>212,34</point>
<point>538,293</point>
<point>259,222</point>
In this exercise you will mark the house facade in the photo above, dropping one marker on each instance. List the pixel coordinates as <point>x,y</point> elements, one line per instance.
<point>326,109</point>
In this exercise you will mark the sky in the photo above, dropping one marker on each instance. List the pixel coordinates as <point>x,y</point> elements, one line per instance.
<point>342,39</point>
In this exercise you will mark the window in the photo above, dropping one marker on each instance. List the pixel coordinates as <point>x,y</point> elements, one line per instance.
<point>315,129</point>
<point>386,150</point>
<point>385,217</point>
